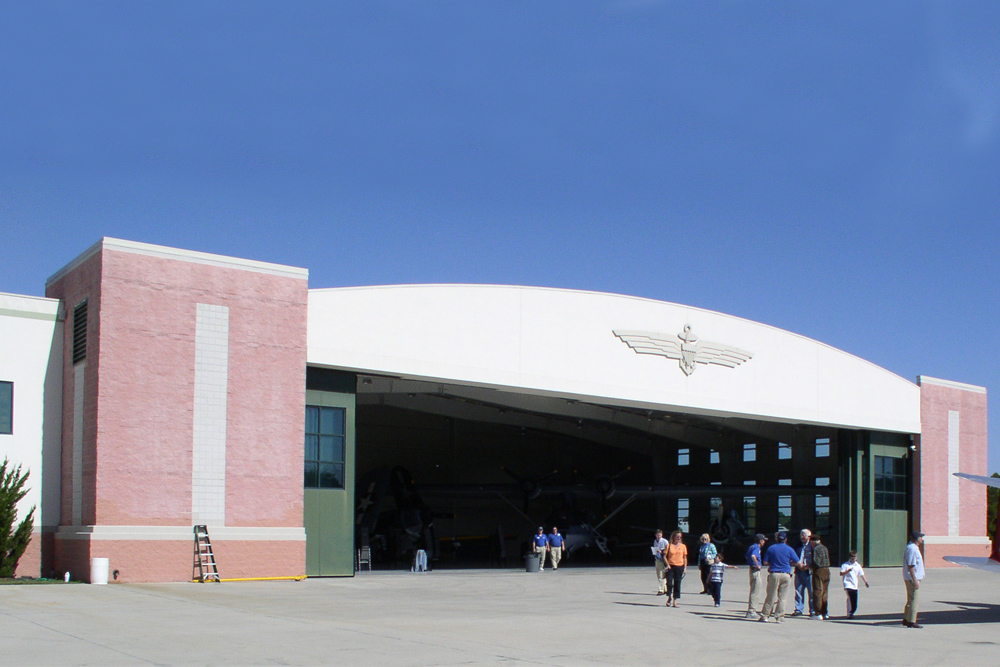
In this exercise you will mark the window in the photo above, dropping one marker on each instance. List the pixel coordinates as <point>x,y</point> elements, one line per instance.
<point>750,451</point>
<point>822,447</point>
<point>324,456</point>
<point>784,451</point>
<point>822,513</point>
<point>784,482</point>
<point>750,513</point>
<point>784,512</point>
<point>713,456</point>
<point>890,483</point>
<point>6,408</point>
<point>683,457</point>
<point>822,481</point>
<point>683,514</point>
<point>80,332</point>
<point>749,482</point>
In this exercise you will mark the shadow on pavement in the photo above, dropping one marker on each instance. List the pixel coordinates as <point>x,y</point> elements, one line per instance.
<point>963,613</point>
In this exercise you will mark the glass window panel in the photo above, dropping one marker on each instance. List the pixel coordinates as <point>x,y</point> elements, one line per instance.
<point>713,456</point>
<point>331,476</point>
<point>331,448</point>
<point>683,457</point>
<point>822,450</point>
<point>7,408</point>
<point>822,481</point>
<point>312,419</point>
<point>784,482</point>
<point>327,421</point>
<point>784,451</point>
<point>312,447</point>
<point>312,475</point>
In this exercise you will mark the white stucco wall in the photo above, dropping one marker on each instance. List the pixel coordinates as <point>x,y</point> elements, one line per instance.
<point>31,344</point>
<point>560,342</point>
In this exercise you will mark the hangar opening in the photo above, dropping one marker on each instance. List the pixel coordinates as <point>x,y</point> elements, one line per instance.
<point>468,474</point>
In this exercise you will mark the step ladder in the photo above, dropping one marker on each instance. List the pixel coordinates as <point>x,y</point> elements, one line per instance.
<point>204,559</point>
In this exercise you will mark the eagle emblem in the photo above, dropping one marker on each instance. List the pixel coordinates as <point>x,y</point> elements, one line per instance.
<point>686,347</point>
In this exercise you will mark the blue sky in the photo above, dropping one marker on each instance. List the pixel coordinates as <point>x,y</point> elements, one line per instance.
<point>828,168</point>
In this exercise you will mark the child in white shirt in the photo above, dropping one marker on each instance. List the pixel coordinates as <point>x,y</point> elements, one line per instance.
<point>850,572</point>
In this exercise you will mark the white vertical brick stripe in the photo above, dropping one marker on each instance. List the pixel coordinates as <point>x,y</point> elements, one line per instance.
<point>954,500</point>
<point>79,373</point>
<point>211,383</point>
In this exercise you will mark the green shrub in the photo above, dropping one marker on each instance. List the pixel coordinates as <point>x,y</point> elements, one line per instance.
<point>13,541</point>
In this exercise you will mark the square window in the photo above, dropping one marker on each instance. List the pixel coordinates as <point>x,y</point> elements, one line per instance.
<point>822,448</point>
<point>784,482</point>
<point>822,481</point>
<point>784,451</point>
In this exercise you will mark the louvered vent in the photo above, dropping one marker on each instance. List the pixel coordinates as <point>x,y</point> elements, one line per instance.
<point>80,333</point>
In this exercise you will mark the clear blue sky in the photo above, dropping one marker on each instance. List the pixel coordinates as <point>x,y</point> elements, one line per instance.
<point>828,168</point>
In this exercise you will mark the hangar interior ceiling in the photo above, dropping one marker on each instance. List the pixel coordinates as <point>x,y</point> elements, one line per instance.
<point>489,462</point>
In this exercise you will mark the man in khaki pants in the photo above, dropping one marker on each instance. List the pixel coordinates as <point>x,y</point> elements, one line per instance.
<point>781,560</point>
<point>913,572</point>
<point>755,563</point>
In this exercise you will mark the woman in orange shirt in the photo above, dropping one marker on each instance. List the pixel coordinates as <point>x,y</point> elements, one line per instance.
<point>676,556</point>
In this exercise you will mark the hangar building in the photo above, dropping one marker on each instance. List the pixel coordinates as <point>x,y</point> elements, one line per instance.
<point>155,389</point>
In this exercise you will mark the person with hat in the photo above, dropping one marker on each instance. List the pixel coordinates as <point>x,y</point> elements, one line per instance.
<point>658,549</point>
<point>754,561</point>
<point>541,545</point>
<point>781,560</point>
<point>820,578</point>
<point>913,573</point>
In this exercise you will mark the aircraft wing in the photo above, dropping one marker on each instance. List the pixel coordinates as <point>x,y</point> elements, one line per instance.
<point>982,479</point>
<point>985,564</point>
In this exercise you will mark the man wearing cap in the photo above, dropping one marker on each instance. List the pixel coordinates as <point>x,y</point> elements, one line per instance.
<point>913,573</point>
<point>755,563</point>
<point>781,560</point>
<point>659,547</point>
<point>820,577</point>
<point>541,545</point>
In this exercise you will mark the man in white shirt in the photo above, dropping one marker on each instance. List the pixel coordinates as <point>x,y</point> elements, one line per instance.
<point>913,573</point>
<point>659,546</point>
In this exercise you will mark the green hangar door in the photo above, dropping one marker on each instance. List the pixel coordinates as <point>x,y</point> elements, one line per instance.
<point>889,516</point>
<point>329,474</point>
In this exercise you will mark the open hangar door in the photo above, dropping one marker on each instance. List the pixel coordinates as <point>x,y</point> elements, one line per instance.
<point>469,473</point>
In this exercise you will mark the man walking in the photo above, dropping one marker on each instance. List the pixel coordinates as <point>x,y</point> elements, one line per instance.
<point>781,559</point>
<point>556,543</point>
<point>820,578</point>
<point>913,573</point>
<point>755,563</point>
<point>541,545</point>
<point>659,546</point>
<point>803,574</point>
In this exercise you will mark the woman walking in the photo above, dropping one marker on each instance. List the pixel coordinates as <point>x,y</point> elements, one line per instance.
<point>676,555</point>
<point>706,558</point>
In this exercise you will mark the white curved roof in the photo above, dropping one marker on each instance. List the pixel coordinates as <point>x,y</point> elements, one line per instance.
<point>559,342</point>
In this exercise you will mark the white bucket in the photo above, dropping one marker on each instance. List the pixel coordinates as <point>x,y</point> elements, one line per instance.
<point>99,570</point>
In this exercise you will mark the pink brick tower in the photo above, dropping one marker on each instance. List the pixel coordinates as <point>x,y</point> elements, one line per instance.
<point>951,511</point>
<point>184,387</point>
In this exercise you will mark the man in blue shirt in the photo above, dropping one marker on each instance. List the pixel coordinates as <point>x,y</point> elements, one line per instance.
<point>556,545</point>
<point>781,560</point>
<point>755,562</point>
<point>541,545</point>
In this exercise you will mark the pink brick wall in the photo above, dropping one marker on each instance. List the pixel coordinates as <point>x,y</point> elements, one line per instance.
<point>138,417</point>
<point>83,282</point>
<point>935,403</point>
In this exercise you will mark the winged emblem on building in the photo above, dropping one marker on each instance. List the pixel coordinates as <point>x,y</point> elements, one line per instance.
<point>685,347</point>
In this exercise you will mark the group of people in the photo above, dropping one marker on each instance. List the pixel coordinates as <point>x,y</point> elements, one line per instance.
<point>551,544</point>
<point>805,569</point>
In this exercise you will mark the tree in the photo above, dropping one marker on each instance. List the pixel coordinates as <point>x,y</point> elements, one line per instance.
<point>992,496</point>
<point>13,541</point>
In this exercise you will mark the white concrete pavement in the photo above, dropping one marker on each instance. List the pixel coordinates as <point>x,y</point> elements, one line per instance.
<point>575,616</point>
